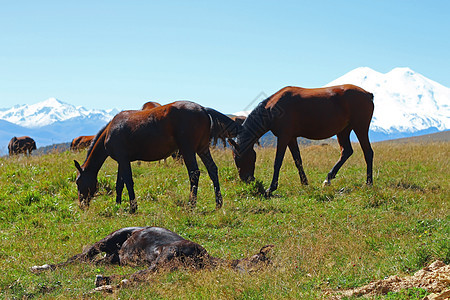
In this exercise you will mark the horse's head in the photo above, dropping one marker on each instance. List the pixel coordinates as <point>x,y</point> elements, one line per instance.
<point>245,161</point>
<point>86,184</point>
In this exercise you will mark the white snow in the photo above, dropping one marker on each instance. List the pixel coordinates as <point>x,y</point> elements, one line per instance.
<point>405,101</point>
<point>48,112</point>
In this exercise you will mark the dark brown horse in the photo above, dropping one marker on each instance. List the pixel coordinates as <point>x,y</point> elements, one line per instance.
<point>23,144</point>
<point>311,113</point>
<point>151,135</point>
<point>81,142</point>
<point>155,247</point>
<point>150,105</point>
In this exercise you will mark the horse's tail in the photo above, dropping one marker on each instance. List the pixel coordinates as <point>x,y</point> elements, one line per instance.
<point>222,127</point>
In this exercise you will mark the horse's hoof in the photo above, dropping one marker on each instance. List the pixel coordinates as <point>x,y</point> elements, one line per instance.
<point>83,205</point>
<point>133,208</point>
<point>326,182</point>
<point>268,193</point>
<point>219,202</point>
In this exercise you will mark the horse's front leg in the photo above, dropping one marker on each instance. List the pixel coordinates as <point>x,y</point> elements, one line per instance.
<point>295,151</point>
<point>194,174</point>
<point>127,178</point>
<point>213,174</point>
<point>119,188</point>
<point>281,150</point>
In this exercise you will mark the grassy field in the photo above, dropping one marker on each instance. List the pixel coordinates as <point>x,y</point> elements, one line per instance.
<point>341,236</point>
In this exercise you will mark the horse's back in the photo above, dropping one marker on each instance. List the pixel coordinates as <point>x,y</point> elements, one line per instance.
<point>162,119</point>
<point>154,134</point>
<point>319,113</point>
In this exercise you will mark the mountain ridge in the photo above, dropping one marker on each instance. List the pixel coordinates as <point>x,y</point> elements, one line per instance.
<point>406,104</point>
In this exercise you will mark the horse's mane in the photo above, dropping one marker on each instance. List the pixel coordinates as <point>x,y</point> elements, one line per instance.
<point>222,127</point>
<point>97,136</point>
<point>256,124</point>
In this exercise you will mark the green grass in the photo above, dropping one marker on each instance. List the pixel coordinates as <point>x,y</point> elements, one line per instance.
<point>340,236</point>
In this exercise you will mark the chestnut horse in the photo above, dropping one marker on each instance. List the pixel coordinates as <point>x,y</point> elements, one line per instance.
<point>150,105</point>
<point>151,135</point>
<point>81,142</point>
<point>23,144</point>
<point>311,113</point>
<point>158,249</point>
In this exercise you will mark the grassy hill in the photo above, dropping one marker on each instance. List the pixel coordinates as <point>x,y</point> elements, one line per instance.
<point>341,236</point>
<point>443,136</point>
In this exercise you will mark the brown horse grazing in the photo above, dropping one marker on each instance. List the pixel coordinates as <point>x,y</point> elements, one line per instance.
<point>81,142</point>
<point>311,113</point>
<point>150,105</point>
<point>159,249</point>
<point>23,144</point>
<point>151,135</point>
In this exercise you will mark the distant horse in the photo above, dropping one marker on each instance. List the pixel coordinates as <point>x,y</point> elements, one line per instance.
<point>239,119</point>
<point>159,249</point>
<point>151,135</point>
<point>23,144</point>
<point>310,113</point>
<point>150,105</point>
<point>81,142</point>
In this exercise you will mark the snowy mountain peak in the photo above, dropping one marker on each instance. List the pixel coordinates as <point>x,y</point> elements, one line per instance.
<point>48,112</point>
<point>52,102</point>
<point>405,101</point>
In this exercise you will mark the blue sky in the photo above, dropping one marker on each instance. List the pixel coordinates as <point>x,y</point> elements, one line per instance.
<point>221,54</point>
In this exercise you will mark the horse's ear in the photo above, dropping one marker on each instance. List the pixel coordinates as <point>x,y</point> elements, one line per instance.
<point>77,165</point>
<point>233,144</point>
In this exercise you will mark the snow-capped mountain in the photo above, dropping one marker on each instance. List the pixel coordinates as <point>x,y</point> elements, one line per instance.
<point>50,111</point>
<point>405,101</point>
<point>50,122</point>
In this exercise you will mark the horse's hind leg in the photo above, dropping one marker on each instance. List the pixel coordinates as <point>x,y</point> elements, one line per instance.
<point>295,151</point>
<point>346,151</point>
<point>127,177</point>
<point>363,137</point>
<point>212,172</point>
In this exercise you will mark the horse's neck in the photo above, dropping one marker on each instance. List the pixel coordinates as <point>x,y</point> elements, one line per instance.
<point>96,156</point>
<point>255,126</point>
